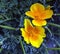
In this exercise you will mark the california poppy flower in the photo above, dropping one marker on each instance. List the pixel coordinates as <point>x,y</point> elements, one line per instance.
<point>39,13</point>
<point>33,35</point>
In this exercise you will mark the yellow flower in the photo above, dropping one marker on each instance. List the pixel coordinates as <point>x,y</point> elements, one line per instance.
<point>39,13</point>
<point>33,35</point>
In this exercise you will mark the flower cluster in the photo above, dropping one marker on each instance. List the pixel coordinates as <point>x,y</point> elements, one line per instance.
<point>35,35</point>
<point>39,13</point>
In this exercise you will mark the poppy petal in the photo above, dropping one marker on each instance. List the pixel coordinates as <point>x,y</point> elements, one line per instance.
<point>37,7</point>
<point>28,25</point>
<point>30,14</point>
<point>48,14</point>
<point>36,42</point>
<point>39,22</point>
<point>25,35</point>
<point>41,31</point>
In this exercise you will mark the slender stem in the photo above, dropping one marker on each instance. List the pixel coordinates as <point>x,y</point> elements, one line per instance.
<point>45,48</point>
<point>49,30</point>
<point>7,27</point>
<point>52,24</point>
<point>53,48</point>
<point>56,42</point>
<point>4,16</point>
<point>0,49</point>
<point>57,14</point>
<point>5,20</point>
<point>22,46</point>
<point>46,51</point>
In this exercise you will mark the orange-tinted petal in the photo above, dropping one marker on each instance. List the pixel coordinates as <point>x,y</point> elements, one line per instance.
<point>25,35</point>
<point>48,14</point>
<point>36,42</point>
<point>28,25</point>
<point>37,7</point>
<point>39,22</point>
<point>41,31</point>
<point>30,14</point>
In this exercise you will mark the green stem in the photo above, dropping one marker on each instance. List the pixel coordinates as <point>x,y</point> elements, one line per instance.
<point>45,48</point>
<point>48,30</point>
<point>57,14</point>
<point>56,42</point>
<point>53,48</point>
<point>46,51</point>
<point>7,27</point>
<point>0,50</point>
<point>4,16</point>
<point>52,24</point>
<point>22,46</point>
<point>5,20</point>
